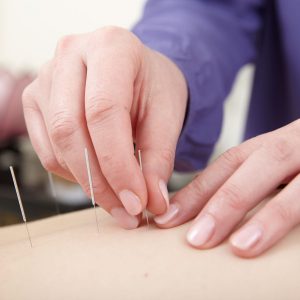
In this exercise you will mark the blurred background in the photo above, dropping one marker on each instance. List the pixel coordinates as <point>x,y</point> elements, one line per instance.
<point>29,31</point>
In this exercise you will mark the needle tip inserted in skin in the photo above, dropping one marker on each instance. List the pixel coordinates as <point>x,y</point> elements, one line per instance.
<point>20,203</point>
<point>87,162</point>
<point>141,166</point>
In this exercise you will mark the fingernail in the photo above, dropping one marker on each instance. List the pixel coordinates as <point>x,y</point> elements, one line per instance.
<point>167,216</point>
<point>200,233</point>
<point>247,237</point>
<point>164,191</point>
<point>124,219</point>
<point>131,202</point>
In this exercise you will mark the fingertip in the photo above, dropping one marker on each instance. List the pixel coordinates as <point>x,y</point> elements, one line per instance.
<point>158,195</point>
<point>165,220</point>
<point>164,192</point>
<point>131,202</point>
<point>201,231</point>
<point>156,168</point>
<point>243,253</point>
<point>124,219</point>
<point>191,243</point>
<point>246,242</point>
<point>246,239</point>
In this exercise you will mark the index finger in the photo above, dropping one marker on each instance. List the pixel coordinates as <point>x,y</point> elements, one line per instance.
<point>108,102</point>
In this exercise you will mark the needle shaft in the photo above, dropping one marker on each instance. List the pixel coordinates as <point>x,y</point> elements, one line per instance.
<point>87,161</point>
<point>141,166</point>
<point>20,203</point>
<point>28,234</point>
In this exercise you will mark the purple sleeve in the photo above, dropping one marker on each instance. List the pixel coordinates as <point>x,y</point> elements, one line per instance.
<point>209,41</point>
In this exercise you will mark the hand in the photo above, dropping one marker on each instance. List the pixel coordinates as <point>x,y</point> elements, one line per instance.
<point>233,185</point>
<point>105,90</point>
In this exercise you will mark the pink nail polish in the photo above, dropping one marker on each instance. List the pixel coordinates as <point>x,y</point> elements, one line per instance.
<point>131,202</point>
<point>168,216</point>
<point>124,219</point>
<point>246,237</point>
<point>201,231</point>
<point>164,191</point>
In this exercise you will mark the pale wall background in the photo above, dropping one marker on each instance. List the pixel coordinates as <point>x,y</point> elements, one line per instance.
<point>29,30</point>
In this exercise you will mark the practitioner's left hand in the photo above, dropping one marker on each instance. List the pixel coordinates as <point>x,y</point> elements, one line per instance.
<point>235,183</point>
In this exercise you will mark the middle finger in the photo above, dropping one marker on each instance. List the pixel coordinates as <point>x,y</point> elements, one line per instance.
<point>68,131</point>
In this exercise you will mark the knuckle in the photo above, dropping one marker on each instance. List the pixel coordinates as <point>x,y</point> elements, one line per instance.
<point>112,34</point>
<point>62,127</point>
<point>64,44</point>
<point>110,31</point>
<point>99,188</point>
<point>117,37</point>
<point>50,163</point>
<point>44,77</point>
<point>107,158</point>
<point>101,109</point>
<point>28,95</point>
<point>105,36</point>
<point>279,149</point>
<point>282,212</point>
<point>29,100</point>
<point>112,167</point>
<point>199,187</point>
<point>168,156</point>
<point>232,197</point>
<point>108,162</point>
<point>233,157</point>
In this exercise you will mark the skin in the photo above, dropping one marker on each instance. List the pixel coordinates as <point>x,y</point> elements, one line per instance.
<point>234,184</point>
<point>105,90</point>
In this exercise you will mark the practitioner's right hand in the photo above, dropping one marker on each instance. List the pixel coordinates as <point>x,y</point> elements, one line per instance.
<point>105,90</point>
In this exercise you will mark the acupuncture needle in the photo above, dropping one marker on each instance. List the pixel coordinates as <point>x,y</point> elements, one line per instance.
<point>141,166</point>
<point>53,191</point>
<point>87,162</point>
<point>20,202</point>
